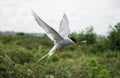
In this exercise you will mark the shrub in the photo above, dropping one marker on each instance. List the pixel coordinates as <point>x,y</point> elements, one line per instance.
<point>95,70</point>
<point>114,37</point>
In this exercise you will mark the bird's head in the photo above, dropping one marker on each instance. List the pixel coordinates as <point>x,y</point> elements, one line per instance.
<point>75,41</point>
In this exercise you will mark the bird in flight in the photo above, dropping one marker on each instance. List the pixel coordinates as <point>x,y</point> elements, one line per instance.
<point>60,38</point>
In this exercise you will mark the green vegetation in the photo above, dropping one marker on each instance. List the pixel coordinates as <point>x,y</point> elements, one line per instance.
<point>114,37</point>
<point>95,57</point>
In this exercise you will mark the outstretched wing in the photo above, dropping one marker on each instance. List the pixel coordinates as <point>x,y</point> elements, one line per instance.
<point>64,29</point>
<point>51,33</point>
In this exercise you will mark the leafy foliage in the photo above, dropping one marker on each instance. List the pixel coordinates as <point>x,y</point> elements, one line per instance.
<point>87,35</point>
<point>95,70</point>
<point>95,59</point>
<point>114,37</point>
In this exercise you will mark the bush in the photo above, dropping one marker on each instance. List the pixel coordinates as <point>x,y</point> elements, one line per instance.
<point>89,35</point>
<point>95,70</point>
<point>114,37</point>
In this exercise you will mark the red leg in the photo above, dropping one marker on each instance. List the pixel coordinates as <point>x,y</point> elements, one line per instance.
<point>59,52</point>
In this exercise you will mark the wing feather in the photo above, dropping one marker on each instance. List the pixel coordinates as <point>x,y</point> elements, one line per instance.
<point>51,33</point>
<point>64,29</point>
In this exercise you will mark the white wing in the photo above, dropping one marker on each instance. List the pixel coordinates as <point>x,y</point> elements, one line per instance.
<point>64,29</point>
<point>51,33</point>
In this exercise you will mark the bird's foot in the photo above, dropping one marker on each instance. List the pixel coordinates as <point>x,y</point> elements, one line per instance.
<point>59,52</point>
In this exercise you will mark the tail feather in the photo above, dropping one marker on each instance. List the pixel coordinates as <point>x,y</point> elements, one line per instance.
<point>43,57</point>
<point>48,54</point>
<point>51,53</point>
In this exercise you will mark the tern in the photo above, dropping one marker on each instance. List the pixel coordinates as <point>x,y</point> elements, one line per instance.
<point>60,38</point>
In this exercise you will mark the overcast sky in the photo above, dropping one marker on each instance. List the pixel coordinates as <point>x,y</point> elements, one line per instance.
<point>16,15</point>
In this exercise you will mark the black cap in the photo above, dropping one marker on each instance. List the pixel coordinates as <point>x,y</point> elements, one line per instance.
<point>73,39</point>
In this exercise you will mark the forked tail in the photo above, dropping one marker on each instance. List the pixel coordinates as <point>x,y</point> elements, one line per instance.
<point>48,54</point>
<point>42,57</point>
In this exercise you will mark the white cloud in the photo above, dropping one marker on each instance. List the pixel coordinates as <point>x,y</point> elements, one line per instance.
<point>16,14</point>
